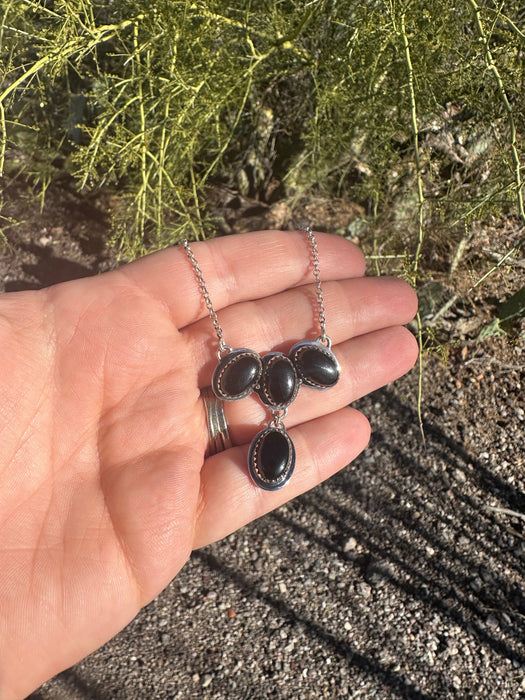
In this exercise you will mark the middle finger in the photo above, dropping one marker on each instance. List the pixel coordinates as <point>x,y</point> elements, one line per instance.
<point>353,307</point>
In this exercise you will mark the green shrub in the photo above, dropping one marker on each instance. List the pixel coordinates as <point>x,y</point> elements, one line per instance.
<point>413,109</point>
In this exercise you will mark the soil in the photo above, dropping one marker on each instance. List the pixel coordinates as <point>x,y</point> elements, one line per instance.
<point>401,577</point>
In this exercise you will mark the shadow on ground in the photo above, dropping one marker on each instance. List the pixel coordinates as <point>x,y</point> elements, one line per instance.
<point>393,579</point>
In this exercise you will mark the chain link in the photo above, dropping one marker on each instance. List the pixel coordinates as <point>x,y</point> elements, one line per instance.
<point>319,290</point>
<point>223,347</point>
<point>277,418</point>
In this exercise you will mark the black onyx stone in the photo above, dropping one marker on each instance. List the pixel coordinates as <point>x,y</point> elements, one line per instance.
<point>237,374</point>
<point>271,459</point>
<point>279,383</point>
<point>316,364</point>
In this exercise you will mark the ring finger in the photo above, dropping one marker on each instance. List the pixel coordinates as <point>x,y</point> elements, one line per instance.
<point>353,307</point>
<point>367,363</point>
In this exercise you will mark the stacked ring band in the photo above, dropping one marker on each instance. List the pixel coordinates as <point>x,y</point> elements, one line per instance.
<point>219,438</point>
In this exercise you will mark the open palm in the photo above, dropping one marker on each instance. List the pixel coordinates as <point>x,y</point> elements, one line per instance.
<point>104,487</point>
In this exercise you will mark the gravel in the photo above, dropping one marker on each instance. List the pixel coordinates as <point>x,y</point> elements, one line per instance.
<point>401,577</point>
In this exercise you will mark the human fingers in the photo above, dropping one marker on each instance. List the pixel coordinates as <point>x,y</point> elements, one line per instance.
<point>229,500</point>
<point>353,307</point>
<point>367,362</point>
<point>238,268</point>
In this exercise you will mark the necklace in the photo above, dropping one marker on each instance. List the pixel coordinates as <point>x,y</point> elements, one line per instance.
<point>276,378</point>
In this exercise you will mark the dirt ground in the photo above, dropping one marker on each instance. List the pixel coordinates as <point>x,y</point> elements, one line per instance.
<point>401,577</point>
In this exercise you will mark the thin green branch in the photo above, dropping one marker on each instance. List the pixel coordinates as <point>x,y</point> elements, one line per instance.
<point>492,68</point>
<point>415,141</point>
<point>3,138</point>
<point>420,206</point>
<point>78,45</point>
<point>73,46</point>
<point>98,138</point>
<point>41,8</point>
<point>142,194</point>
<point>163,148</point>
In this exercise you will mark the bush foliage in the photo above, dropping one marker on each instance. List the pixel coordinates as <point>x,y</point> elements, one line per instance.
<point>413,109</point>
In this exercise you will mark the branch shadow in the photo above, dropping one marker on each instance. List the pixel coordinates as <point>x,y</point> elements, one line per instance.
<point>444,580</point>
<point>70,681</point>
<point>320,634</point>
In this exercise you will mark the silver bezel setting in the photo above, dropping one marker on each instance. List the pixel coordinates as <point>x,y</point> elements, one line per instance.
<point>257,477</point>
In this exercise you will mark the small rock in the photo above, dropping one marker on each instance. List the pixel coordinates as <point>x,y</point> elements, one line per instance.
<point>206,681</point>
<point>459,476</point>
<point>231,613</point>
<point>350,544</point>
<point>486,575</point>
<point>492,622</point>
<point>363,589</point>
<point>476,584</point>
<point>506,619</point>
<point>378,573</point>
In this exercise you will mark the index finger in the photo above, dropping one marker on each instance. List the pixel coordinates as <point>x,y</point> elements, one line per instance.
<point>241,267</point>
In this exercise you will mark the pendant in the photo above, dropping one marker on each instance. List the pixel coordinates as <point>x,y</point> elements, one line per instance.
<point>271,459</point>
<point>237,374</point>
<point>316,364</point>
<point>279,382</point>
<point>276,378</point>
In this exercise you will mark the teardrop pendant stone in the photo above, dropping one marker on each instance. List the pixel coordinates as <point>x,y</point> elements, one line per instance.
<point>271,459</point>
<point>279,382</point>
<point>316,364</point>
<point>237,374</point>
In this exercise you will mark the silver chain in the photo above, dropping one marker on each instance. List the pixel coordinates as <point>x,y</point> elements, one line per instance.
<point>319,290</point>
<point>223,347</point>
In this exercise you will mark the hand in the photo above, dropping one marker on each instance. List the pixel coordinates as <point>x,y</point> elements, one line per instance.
<point>104,488</point>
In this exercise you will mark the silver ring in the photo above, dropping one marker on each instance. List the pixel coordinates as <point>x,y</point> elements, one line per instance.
<point>218,435</point>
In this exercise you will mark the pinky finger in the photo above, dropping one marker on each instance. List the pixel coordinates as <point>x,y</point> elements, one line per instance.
<point>230,500</point>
